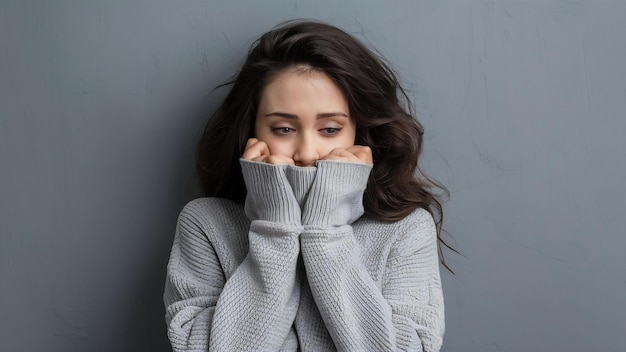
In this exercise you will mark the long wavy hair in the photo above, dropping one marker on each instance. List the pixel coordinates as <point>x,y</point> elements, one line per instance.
<point>378,104</point>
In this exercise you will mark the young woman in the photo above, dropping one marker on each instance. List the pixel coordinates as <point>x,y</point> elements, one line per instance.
<point>317,233</point>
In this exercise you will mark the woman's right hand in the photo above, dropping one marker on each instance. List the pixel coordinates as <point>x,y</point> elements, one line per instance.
<point>269,196</point>
<point>257,150</point>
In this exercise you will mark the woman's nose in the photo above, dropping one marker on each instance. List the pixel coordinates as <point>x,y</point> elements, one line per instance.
<point>306,153</point>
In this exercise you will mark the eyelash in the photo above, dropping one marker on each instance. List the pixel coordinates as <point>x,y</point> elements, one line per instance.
<point>335,130</point>
<point>283,131</point>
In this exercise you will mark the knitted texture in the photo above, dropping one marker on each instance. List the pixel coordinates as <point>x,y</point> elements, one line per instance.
<point>298,267</point>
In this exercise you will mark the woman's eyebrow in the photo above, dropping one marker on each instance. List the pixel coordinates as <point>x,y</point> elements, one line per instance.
<point>323,115</point>
<point>326,115</point>
<point>282,114</point>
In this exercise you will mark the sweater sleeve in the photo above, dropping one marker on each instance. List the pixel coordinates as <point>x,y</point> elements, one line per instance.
<point>406,313</point>
<point>254,308</point>
<point>193,284</point>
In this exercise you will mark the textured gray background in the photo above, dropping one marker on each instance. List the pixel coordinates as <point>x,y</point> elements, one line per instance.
<point>524,106</point>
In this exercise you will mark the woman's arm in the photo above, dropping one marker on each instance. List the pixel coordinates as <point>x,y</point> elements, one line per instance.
<point>253,309</point>
<point>406,313</point>
<point>194,282</point>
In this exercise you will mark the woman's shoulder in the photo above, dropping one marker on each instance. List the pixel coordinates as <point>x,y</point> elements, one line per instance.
<point>211,206</point>
<point>382,241</point>
<point>419,224</point>
<point>215,226</point>
<point>419,218</point>
<point>214,212</point>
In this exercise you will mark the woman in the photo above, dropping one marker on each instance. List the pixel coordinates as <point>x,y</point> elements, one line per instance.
<point>316,233</point>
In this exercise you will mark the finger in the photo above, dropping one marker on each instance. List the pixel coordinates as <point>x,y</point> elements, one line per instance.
<point>255,149</point>
<point>339,158</point>
<point>363,153</point>
<point>251,141</point>
<point>279,159</point>
<point>340,154</point>
<point>356,154</point>
<point>274,159</point>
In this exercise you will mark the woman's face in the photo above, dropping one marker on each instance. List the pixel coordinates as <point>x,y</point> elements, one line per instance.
<point>304,116</point>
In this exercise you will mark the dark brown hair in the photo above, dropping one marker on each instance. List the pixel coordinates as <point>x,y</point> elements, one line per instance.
<point>378,104</point>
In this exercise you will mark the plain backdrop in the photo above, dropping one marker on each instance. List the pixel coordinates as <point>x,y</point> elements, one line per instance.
<point>523,103</point>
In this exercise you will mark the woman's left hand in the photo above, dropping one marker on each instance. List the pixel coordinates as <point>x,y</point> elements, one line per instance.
<point>357,154</point>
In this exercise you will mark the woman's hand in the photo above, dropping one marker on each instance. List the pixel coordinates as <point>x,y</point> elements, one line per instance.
<point>336,194</point>
<point>257,150</point>
<point>356,154</point>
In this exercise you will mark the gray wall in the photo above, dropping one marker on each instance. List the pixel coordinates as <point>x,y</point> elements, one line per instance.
<point>523,104</point>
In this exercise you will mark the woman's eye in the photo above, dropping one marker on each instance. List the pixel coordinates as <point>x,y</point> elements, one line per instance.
<point>331,130</point>
<point>282,130</point>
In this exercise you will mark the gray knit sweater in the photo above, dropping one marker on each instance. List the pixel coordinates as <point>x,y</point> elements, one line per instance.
<point>299,267</point>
